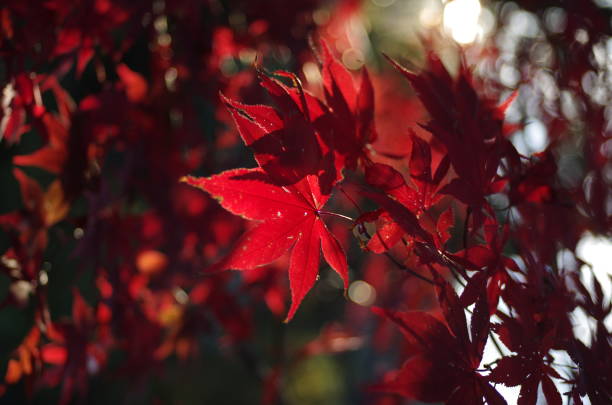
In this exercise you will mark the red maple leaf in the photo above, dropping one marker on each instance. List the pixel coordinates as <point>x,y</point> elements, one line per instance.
<point>285,146</point>
<point>444,359</point>
<point>539,324</point>
<point>468,125</point>
<point>352,106</point>
<point>417,199</point>
<point>289,218</point>
<point>491,264</point>
<point>532,363</point>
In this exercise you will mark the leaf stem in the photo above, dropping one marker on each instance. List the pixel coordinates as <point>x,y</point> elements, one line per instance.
<point>496,344</point>
<point>396,262</point>
<point>350,199</point>
<point>408,270</point>
<point>335,214</point>
<point>466,227</point>
<point>456,275</point>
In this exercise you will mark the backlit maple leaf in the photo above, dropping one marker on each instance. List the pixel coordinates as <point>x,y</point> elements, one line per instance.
<point>444,357</point>
<point>289,218</point>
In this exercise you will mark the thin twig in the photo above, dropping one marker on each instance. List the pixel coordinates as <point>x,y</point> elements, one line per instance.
<point>408,270</point>
<point>397,263</point>
<point>456,275</point>
<point>496,344</point>
<point>351,200</point>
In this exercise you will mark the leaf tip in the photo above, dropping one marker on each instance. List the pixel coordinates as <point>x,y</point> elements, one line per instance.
<point>190,180</point>
<point>400,68</point>
<point>503,107</point>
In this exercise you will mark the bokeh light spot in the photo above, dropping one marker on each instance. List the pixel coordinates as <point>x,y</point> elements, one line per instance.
<point>362,293</point>
<point>461,20</point>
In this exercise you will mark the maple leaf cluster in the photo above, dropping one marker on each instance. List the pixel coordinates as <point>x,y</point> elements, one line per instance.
<point>305,147</point>
<point>117,114</point>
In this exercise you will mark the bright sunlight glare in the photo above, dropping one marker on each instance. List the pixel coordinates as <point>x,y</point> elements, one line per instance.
<point>597,252</point>
<point>461,20</point>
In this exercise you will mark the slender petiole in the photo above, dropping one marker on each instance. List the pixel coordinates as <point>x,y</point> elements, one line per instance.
<point>334,214</point>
